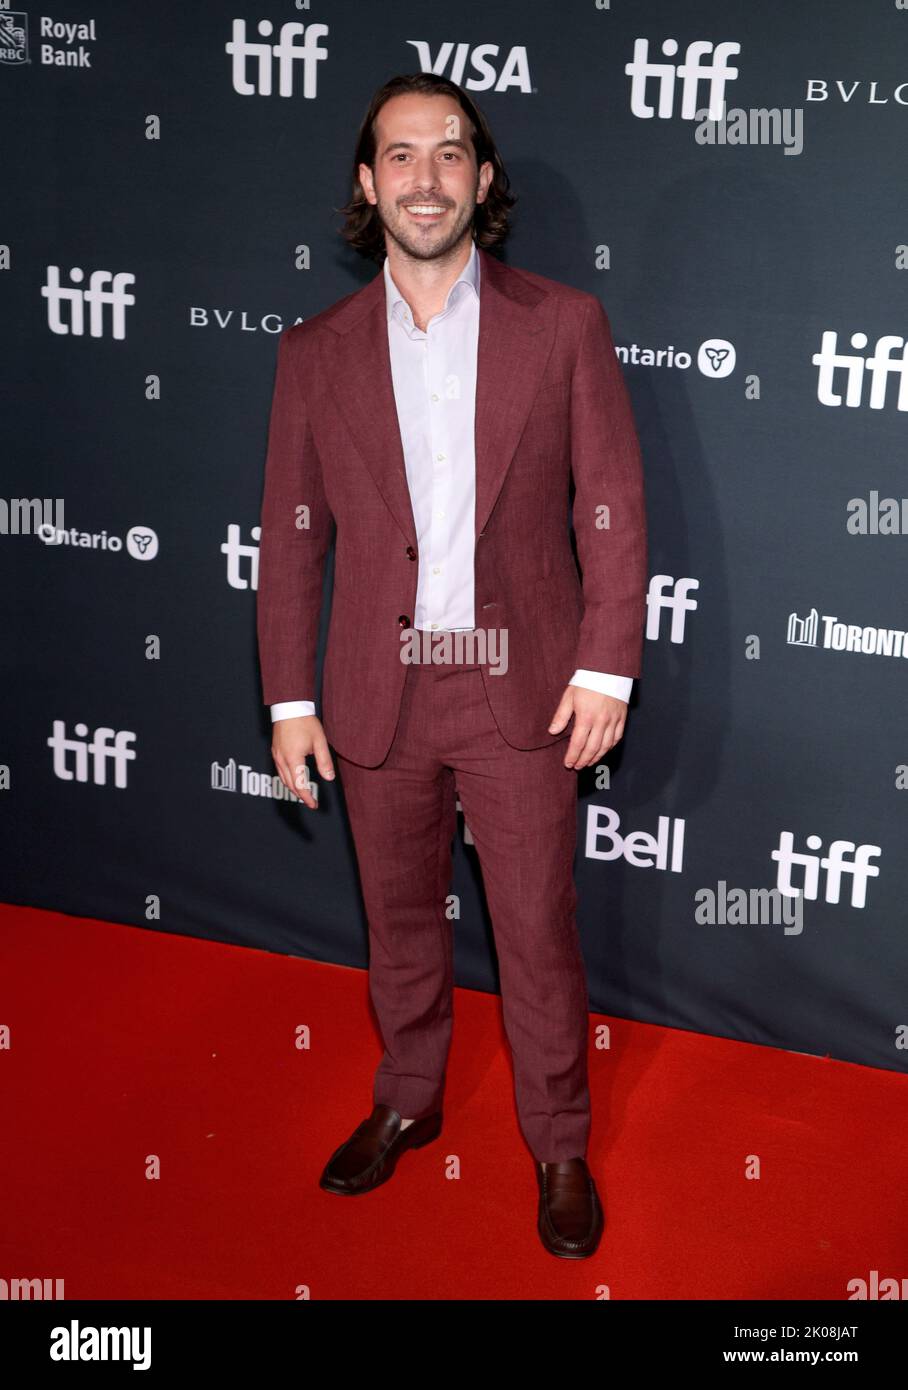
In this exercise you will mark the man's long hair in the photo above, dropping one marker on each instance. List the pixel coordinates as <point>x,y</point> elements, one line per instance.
<point>363,229</point>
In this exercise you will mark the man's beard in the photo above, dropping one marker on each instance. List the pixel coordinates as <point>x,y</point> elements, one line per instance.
<point>426,250</point>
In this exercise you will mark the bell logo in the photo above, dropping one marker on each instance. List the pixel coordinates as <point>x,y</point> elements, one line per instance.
<point>664,850</point>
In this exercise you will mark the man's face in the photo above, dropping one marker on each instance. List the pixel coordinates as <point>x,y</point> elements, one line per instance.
<point>424,159</point>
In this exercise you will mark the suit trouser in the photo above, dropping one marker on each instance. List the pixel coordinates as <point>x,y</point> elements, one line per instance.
<point>521,807</point>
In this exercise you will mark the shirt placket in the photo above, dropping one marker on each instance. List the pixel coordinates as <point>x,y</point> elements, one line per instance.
<point>439,462</point>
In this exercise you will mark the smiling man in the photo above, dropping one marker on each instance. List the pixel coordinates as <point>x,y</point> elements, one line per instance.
<point>432,422</point>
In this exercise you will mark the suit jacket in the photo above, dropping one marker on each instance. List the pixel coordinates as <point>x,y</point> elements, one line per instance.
<point>550,402</point>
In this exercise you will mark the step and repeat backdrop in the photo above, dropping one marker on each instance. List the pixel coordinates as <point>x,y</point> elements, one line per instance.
<point>728,179</point>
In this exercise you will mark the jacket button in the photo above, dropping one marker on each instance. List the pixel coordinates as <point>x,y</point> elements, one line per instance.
<point>411,553</point>
<point>403,620</point>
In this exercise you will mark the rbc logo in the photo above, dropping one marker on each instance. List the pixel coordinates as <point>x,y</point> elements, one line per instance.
<point>13,38</point>
<point>286,51</point>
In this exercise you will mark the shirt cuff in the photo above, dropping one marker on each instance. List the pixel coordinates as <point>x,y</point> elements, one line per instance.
<point>617,686</point>
<point>292,709</point>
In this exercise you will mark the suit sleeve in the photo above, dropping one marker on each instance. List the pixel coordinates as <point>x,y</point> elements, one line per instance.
<point>608,473</point>
<point>296,528</point>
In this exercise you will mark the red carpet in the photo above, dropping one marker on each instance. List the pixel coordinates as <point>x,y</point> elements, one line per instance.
<point>126,1045</point>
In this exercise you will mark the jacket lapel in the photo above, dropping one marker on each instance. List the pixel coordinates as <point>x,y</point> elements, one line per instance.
<point>516,333</point>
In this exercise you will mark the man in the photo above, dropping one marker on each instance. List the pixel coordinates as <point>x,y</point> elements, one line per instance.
<point>434,418</point>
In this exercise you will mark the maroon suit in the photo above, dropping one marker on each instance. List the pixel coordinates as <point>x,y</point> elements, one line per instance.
<point>550,400</point>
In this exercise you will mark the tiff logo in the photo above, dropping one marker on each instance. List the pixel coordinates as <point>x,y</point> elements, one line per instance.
<point>237,551</point>
<point>286,51</point>
<point>691,72</point>
<point>837,861</point>
<point>880,366</point>
<point>679,603</point>
<point>95,297</point>
<point>100,748</point>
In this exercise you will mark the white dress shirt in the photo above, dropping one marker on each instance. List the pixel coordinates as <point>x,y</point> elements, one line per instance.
<point>434,376</point>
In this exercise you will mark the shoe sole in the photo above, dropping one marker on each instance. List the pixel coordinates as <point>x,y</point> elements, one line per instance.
<point>431,1134</point>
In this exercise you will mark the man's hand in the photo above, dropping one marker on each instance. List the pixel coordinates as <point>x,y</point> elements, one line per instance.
<point>598,724</point>
<point>293,740</point>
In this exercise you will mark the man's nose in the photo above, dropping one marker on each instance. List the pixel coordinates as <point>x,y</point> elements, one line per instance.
<point>425,175</point>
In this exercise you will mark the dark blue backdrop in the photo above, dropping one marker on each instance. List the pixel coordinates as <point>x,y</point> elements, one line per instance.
<point>140,147</point>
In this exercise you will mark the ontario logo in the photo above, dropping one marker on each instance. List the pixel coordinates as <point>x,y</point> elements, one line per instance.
<point>141,541</point>
<point>716,357</point>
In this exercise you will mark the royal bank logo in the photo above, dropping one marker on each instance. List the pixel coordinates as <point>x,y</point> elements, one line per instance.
<point>13,39</point>
<point>489,71</point>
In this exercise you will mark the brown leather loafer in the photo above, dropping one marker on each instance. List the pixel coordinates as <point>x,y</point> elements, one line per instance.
<point>368,1158</point>
<point>570,1213</point>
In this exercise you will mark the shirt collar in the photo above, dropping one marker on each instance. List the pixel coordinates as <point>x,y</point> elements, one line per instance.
<point>397,305</point>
